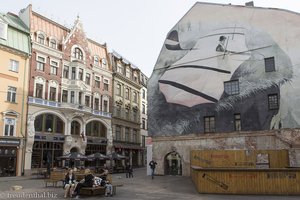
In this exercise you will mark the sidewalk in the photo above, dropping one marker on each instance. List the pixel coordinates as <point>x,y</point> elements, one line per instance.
<point>140,187</point>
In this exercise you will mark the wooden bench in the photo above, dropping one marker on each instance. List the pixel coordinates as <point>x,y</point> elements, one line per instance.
<point>54,178</point>
<point>92,190</point>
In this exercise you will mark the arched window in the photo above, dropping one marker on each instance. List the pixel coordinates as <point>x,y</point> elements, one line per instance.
<point>78,53</point>
<point>41,39</point>
<point>173,165</point>
<point>95,129</point>
<point>52,43</point>
<point>48,123</point>
<point>75,128</point>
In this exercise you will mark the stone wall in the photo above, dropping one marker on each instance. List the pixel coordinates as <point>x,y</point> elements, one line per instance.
<point>264,140</point>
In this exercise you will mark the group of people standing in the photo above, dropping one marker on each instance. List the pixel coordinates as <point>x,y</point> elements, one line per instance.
<point>72,187</point>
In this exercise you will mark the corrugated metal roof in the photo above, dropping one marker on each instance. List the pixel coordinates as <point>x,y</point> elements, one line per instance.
<point>17,33</point>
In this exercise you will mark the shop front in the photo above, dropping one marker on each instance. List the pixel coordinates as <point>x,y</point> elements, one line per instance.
<point>10,157</point>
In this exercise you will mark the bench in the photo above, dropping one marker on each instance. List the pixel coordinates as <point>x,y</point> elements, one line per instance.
<point>54,178</point>
<point>92,190</point>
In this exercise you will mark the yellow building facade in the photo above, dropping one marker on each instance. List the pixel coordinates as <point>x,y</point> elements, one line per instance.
<point>14,64</point>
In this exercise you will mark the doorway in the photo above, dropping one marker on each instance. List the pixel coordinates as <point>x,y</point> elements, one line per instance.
<point>173,164</point>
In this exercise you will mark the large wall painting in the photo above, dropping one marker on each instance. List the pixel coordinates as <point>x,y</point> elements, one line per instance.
<point>221,66</point>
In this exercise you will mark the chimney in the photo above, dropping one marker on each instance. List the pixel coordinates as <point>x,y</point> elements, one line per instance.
<point>250,4</point>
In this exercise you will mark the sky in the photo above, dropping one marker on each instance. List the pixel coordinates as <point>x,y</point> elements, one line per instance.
<point>136,29</point>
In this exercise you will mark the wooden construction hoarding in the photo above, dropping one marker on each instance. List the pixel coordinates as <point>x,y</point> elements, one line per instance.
<point>240,158</point>
<point>246,181</point>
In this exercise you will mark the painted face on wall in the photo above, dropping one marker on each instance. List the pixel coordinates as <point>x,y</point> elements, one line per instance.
<point>199,76</point>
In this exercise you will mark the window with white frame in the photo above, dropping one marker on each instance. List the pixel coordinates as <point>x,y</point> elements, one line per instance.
<point>96,61</point>
<point>209,124</point>
<point>14,65</point>
<point>126,93</point>
<point>73,75</point>
<point>118,91</point>
<point>104,63</point>
<point>87,79</point>
<point>41,38</point>
<point>52,94</point>
<point>87,101</point>
<point>39,90</point>
<point>53,67</point>
<point>40,65</point>
<point>80,74</point>
<point>9,126</point>
<point>77,53</point>
<point>52,43</point>
<point>232,87</point>
<point>135,77</point>
<point>144,94</point>
<point>135,98</point>
<point>72,100</point>
<point>143,123</point>
<point>3,30</point>
<point>119,69</point>
<point>105,105</point>
<point>143,109</point>
<point>64,97</point>
<point>66,71</point>
<point>11,94</point>
<point>118,133</point>
<point>97,81</point>
<point>128,73</point>
<point>134,135</point>
<point>96,104</point>
<point>105,84</point>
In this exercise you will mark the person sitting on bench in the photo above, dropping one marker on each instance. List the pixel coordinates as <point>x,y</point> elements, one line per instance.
<point>88,181</point>
<point>69,183</point>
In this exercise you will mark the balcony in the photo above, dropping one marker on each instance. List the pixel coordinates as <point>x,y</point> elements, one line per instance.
<point>75,107</point>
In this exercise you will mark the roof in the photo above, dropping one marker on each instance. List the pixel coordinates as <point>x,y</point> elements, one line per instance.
<point>17,33</point>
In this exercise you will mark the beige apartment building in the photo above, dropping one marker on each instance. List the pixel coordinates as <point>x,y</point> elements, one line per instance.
<point>14,53</point>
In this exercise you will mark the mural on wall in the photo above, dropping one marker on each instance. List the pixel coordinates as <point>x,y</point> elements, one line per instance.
<point>217,68</point>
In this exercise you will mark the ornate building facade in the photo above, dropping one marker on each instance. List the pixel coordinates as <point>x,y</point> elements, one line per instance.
<point>70,87</point>
<point>126,110</point>
<point>15,52</point>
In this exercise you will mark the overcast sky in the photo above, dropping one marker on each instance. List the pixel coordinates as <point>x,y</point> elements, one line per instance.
<point>136,29</point>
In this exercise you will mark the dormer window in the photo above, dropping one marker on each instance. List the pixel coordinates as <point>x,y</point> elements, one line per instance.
<point>78,54</point>
<point>41,39</point>
<point>52,43</point>
<point>96,61</point>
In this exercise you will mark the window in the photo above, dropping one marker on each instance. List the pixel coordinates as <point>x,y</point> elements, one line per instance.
<point>41,39</point>
<point>143,109</point>
<point>97,81</point>
<point>105,106</point>
<point>14,66</point>
<point>72,100</point>
<point>53,43</point>
<point>135,78</point>
<point>273,101</point>
<point>54,66</point>
<point>3,30</point>
<point>127,113</point>
<point>232,87</point>
<point>135,97</point>
<point>128,74</point>
<point>66,72</point>
<point>40,65</point>
<point>144,94</point>
<point>11,94</point>
<point>87,101</point>
<point>10,124</point>
<point>75,128</point>
<point>105,86</point>
<point>127,135</point>
<point>135,116</point>
<point>87,79</point>
<point>143,123</point>
<point>79,97</point>
<point>104,62</point>
<point>39,90</point>
<point>96,60</point>
<point>80,74</point>
<point>126,93</point>
<point>118,133</point>
<point>64,96</point>
<point>52,94</point>
<point>73,76</point>
<point>120,69</point>
<point>237,122</point>
<point>118,89</point>
<point>134,136</point>
<point>96,106</point>
<point>209,124</point>
<point>78,53</point>
<point>270,64</point>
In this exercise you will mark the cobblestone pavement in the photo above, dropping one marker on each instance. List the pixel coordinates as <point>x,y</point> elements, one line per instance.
<point>140,187</point>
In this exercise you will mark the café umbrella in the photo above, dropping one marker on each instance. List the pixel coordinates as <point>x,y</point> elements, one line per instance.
<point>97,156</point>
<point>115,156</point>
<point>73,156</point>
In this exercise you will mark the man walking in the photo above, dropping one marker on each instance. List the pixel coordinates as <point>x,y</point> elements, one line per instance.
<point>152,165</point>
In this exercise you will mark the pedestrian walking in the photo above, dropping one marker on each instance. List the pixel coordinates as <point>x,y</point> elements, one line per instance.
<point>152,165</point>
